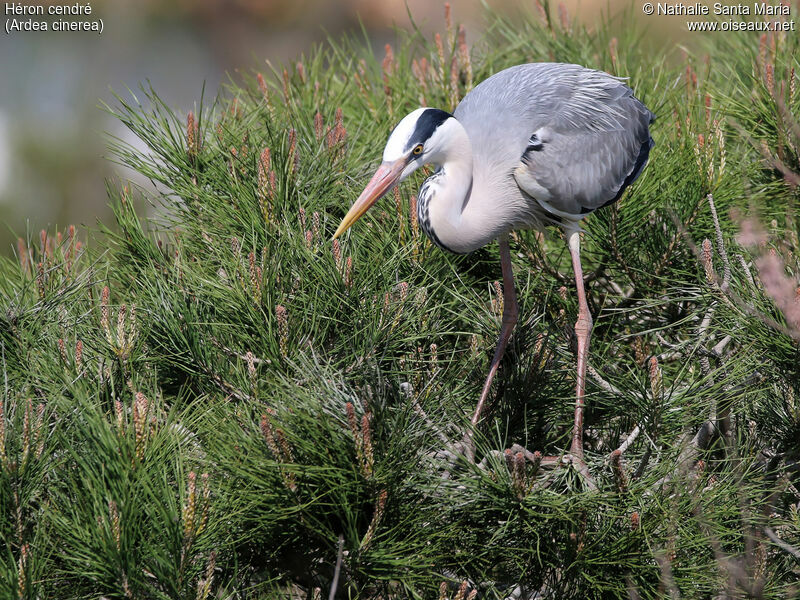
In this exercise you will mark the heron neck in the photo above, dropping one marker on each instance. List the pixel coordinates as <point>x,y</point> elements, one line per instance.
<point>458,218</point>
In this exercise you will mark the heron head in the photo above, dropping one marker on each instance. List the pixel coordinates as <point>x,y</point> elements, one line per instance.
<point>417,140</point>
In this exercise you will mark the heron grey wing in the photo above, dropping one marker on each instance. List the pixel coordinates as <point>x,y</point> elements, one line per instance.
<point>593,146</point>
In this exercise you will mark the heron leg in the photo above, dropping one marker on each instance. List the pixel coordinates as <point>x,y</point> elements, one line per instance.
<point>583,331</point>
<point>510,314</point>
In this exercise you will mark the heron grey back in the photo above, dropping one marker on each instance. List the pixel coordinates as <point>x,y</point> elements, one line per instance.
<point>574,137</point>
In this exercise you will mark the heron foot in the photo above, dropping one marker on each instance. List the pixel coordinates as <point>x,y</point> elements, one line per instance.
<point>527,468</point>
<point>581,468</point>
<point>451,455</point>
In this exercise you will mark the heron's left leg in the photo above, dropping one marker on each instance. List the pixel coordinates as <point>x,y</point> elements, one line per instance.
<point>583,331</point>
<point>510,314</point>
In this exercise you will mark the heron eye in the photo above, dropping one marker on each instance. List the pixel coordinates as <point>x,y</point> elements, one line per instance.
<point>417,150</point>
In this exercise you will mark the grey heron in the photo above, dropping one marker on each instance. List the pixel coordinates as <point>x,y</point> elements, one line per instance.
<point>535,144</point>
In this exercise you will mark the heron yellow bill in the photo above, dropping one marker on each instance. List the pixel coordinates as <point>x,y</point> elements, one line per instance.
<point>384,179</point>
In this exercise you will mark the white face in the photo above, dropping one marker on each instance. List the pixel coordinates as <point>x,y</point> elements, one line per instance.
<point>402,140</point>
<point>398,141</point>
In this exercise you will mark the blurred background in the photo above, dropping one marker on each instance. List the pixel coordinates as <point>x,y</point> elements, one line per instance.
<point>53,132</point>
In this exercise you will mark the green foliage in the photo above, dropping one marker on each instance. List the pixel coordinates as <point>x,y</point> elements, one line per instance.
<point>217,399</point>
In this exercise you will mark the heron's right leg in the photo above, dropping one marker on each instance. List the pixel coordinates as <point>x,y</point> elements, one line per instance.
<point>583,331</point>
<point>510,314</point>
